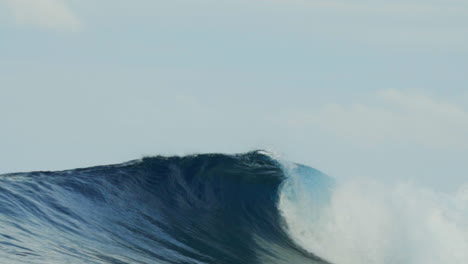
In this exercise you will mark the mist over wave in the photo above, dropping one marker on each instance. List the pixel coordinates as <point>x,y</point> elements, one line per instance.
<point>363,221</point>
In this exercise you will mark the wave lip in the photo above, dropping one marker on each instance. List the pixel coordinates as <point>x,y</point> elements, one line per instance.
<point>208,208</point>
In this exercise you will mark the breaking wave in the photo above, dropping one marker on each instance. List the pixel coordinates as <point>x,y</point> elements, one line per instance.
<point>225,209</point>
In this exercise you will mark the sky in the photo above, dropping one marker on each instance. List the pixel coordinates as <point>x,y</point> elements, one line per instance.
<point>354,88</point>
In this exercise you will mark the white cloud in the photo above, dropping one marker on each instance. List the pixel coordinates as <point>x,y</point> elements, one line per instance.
<point>394,117</point>
<point>48,14</point>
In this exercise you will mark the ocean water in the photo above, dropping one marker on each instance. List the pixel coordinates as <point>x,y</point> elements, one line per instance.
<point>225,209</point>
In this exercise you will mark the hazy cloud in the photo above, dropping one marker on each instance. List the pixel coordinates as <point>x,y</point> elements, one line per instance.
<point>48,14</point>
<point>394,117</point>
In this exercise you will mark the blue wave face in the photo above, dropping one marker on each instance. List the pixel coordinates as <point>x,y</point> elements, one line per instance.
<point>209,208</point>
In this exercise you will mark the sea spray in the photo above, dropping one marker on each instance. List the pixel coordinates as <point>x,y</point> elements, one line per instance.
<point>363,221</point>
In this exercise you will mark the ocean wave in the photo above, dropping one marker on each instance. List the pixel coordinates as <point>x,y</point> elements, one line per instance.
<point>251,208</point>
<point>208,208</point>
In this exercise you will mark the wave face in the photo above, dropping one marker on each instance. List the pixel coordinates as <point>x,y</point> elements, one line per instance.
<point>209,208</point>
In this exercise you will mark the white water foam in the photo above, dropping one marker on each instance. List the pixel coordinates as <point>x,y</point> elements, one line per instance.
<point>367,222</point>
